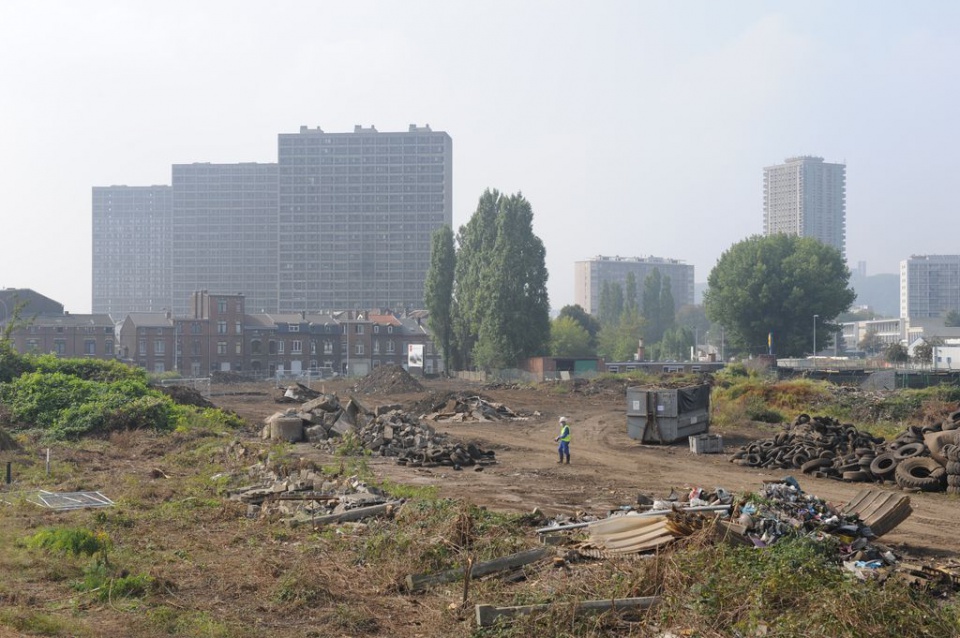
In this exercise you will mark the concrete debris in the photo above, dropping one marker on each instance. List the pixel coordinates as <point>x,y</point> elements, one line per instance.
<point>307,496</point>
<point>460,408</point>
<point>825,448</point>
<point>296,393</point>
<point>385,431</point>
<point>390,379</point>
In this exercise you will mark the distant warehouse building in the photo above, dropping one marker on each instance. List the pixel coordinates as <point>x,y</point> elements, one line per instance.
<point>590,275</point>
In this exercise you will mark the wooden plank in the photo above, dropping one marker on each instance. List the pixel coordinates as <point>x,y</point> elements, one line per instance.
<point>487,615</point>
<point>416,582</point>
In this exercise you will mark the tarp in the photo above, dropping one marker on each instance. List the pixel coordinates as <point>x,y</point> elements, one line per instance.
<point>693,398</point>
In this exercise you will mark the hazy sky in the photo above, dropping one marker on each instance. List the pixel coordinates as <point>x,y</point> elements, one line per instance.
<point>634,128</point>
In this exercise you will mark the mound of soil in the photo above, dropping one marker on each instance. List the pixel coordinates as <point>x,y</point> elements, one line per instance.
<point>388,380</point>
<point>185,396</point>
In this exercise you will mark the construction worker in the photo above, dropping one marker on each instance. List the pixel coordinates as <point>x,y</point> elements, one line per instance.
<point>564,439</point>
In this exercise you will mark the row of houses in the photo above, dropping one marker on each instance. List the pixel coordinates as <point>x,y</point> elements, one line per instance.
<point>217,335</point>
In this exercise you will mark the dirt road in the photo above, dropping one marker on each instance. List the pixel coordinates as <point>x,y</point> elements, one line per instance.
<point>608,469</point>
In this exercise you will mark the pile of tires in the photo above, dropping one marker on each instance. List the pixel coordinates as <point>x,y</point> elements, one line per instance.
<point>951,454</point>
<point>917,459</point>
<point>817,445</point>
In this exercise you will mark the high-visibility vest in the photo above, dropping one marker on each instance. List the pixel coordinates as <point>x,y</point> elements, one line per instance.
<point>565,433</point>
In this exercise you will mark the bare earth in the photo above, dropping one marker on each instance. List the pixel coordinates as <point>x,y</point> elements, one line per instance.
<point>608,469</point>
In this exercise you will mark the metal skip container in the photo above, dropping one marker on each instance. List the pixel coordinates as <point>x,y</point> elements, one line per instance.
<point>662,415</point>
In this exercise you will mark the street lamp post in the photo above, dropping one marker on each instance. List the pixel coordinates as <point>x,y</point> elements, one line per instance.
<point>815,317</point>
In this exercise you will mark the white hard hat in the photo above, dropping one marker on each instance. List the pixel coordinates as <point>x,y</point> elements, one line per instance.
<point>563,419</point>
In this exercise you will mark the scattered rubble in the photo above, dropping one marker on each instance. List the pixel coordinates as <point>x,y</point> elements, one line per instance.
<point>457,407</point>
<point>307,496</point>
<point>385,431</point>
<point>826,448</point>
<point>296,393</point>
<point>390,379</point>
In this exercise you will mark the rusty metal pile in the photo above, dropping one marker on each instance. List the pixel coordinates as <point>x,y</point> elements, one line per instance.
<point>825,448</point>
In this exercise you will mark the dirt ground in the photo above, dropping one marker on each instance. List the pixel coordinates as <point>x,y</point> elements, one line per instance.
<point>607,470</point>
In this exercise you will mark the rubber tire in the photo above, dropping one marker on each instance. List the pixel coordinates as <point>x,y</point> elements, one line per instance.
<point>815,464</point>
<point>954,416</point>
<point>910,450</point>
<point>884,465</point>
<point>921,473</point>
<point>856,476</point>
<point>752,460</point>
<point>954,454</point>
<point>948,425</point>
<point>953,467</point>
<point>936,441</point>
<point>953,480</point>
<point>953,489</point>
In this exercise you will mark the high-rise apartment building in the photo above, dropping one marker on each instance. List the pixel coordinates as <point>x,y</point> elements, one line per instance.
<point>356,215</point>
<point>806,196</point>
<point>342,221</point>
<point>224,233</point>
<point>929,286</point>
<point>591,274</point>
<point>131,249</point>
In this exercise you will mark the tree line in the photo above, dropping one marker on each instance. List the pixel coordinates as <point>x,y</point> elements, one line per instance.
<point>486,292</point>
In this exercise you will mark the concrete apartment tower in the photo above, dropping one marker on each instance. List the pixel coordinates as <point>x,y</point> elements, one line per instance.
<point>590,275</point>
<point>929,286</point>
<point>131,249</point>
<point>224,233</point>
<point>806,196</point>
<point>357,212</point>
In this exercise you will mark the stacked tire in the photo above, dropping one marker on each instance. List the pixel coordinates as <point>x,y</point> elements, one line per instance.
<point>952,453</point>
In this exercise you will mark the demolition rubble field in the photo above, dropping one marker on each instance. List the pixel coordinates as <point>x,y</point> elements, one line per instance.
<point>364,526</point>
<point>608,469</point>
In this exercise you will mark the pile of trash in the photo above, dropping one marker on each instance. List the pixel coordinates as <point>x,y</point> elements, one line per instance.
<point>389,379</point>
<point>307,496</point>
<point>826,448</point>
<point>385,431</point>
<point>463,408</point>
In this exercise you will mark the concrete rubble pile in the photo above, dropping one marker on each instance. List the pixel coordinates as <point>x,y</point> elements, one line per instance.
<point>307,496</point>
<point>460,408</point>
<point>825,448</point>
<point>385,431</point>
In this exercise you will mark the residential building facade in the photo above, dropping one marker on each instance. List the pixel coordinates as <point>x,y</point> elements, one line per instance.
<point>131,249</point>
<point>806,196</point>
<point>591,274</point>
<point>929,286</point>
<point>87,336</point>
<point>357,212</point>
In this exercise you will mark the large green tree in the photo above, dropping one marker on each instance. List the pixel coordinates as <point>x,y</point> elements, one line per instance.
<point>782,285</point>
<point>619,341</point>
<point>500,308</point>
<point>438,292</point>
<point>475,242</point>
<point>611,303</point>
<point>586,321</point>
<point>569,339</point>
<point>952,319</point>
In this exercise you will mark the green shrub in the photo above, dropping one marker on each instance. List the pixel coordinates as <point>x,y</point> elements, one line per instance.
<point>74,541</point>
<point>104,371</point>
